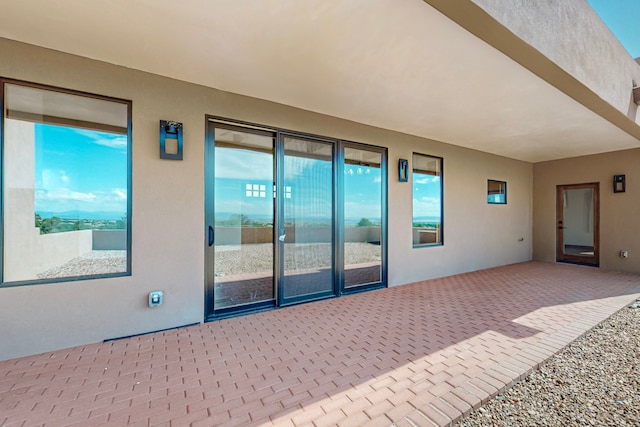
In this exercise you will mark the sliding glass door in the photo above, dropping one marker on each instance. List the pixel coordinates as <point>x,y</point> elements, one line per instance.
<point>244,218</point>
<point>307,206</point>
<point>290,218</point>
<point>363,217</point>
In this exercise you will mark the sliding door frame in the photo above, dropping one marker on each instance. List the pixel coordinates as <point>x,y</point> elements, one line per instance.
<point>343,290</point>
<point>210,311</point>
<point>337,222</point>
<point>284,301</point>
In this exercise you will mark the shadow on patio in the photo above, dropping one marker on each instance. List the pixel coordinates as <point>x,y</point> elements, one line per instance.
<point>426,352</point>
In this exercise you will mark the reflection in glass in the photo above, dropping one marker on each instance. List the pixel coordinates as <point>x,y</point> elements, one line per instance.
<point>65,185</point>
<point>308,212</point>
<point>578,222</point>
<point>362,217</point>
<point>427,199</point>
<point>243,206</point>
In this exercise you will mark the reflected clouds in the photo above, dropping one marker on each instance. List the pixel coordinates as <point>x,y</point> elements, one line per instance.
<point>246,165</point>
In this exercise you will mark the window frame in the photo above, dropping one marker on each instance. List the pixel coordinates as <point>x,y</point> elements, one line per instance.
<point>440,160</point>
<point>129,105</point>
<point>503,185</point>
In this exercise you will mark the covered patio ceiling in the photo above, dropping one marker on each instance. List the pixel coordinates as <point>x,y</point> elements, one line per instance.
<point>399,65</point>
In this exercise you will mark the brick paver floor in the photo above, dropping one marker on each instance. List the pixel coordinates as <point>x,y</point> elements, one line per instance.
<point>422,354</point>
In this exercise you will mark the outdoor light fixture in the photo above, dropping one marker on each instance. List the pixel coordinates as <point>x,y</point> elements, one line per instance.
<point>403,170</point>
<point>636,95</point>
<point>170,130</point>
<point>619,183</point>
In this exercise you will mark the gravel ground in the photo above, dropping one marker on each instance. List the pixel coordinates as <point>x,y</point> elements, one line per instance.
<point>254,258</point>
<point>595,381</point>
<point>94,262</point>
<point>259,257</point>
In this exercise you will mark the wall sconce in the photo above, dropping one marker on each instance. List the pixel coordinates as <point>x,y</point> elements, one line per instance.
<point>403,170</point>
<point>170,130</point>
<point>619,183</point>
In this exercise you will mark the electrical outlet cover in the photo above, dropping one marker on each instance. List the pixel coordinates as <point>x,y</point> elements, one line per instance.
<point>156,298</point>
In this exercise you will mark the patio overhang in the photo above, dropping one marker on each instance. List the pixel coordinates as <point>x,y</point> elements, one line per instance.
<point>426,68</point>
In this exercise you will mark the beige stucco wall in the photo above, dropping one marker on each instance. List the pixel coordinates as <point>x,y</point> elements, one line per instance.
<point>619,212</point>
<point>168,229</point>
<point>476,234</point>
<point>571,34</point>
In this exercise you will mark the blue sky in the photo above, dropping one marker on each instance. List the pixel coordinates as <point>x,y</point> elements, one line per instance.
<point>623,18</point>
<point>235,169</point>
<point>80,170</point>
<point>427,198</point>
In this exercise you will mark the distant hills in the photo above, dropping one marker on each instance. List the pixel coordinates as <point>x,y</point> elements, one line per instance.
<point>98,215</point>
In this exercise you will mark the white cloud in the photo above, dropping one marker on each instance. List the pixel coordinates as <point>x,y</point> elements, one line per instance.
<point>119,193</point>
<point>426,206</point>
<point>247,165</point>
<point>427,180</point>
<point>64,199</point>
<point>54,178</point>
<point>63,194</point>
<point>104,139</point>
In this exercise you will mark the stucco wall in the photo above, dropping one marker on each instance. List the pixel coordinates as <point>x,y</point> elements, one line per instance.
<point>168,230</point>
<point>619,212</point>
<point>571,34</point>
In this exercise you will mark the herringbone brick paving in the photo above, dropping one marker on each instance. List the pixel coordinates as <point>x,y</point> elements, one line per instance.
<point>417,355</point>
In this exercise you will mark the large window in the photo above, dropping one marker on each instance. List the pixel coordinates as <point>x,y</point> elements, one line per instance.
<point>65,185</point>
<point>427,200</point>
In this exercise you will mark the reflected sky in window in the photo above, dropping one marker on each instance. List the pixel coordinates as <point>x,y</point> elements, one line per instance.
<point>80,172</point>
<point>427,197</point>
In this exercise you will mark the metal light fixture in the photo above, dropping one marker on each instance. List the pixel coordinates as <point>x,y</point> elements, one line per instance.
<point>403,170</point>
<point>619,183</point>
<point>170,130</point>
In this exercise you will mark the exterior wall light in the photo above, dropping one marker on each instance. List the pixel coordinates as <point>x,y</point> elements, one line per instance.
<point>636,95</point>
<point>619,183</point>
<point>170,130</point>
<point>403,170</point>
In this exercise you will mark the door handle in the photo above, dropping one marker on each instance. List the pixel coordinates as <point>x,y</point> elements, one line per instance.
<point>281,238</point>
<point>210,236</point>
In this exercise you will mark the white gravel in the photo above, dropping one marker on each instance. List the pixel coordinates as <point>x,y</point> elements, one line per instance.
<point>595,381</point>
<point>259,257</point>
<point>91,263</point>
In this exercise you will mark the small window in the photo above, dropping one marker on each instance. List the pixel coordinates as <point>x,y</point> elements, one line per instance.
<point>496,192</point>
<point>427,200</point>
<point>66,185</point>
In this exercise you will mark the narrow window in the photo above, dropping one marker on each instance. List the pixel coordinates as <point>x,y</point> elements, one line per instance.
<point>66,181</point>
<point>427,200</point>
<point>496,192</point>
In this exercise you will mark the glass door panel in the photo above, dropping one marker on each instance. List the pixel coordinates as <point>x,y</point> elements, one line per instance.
<point>578,223</point>
<point>307,237</point>
<point>362,217</point>
<point>244,218</point>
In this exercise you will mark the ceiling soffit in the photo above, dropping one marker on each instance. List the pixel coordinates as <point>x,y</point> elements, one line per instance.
<point>401,65</point>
